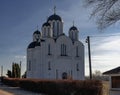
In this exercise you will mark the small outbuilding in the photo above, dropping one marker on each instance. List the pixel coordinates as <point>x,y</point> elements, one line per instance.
<point>114,80</point>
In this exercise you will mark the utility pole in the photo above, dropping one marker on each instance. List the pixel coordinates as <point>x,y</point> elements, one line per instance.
<point>89,54</point>
<point>20,68</point>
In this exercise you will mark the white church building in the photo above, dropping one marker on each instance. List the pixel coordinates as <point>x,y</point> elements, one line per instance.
<point>53,55</point>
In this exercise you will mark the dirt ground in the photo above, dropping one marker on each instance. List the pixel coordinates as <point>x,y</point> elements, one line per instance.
<point>105,88</point>
<point>5,90</point>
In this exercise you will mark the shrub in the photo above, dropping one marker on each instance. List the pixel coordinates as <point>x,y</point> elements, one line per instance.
<point>58,87</point>
<point>11,81</point>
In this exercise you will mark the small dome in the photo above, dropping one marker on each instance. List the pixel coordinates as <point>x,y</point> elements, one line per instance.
<point>73,28</point>
<point>46,24</point>
<point>33,44</point>
<point>37,32</point>
<point>54,17</point>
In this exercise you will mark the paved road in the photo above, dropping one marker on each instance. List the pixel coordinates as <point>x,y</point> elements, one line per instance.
<point>5,90</point>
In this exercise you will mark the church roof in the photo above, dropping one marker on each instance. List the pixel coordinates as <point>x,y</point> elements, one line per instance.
<point>33,44</point>
<point>46,24</point>
<point>37,32</point>
<point>54,17</point>
<point>73,28</point>
<point>113,71</point>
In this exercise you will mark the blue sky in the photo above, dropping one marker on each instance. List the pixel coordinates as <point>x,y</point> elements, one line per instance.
<point>19,19</point>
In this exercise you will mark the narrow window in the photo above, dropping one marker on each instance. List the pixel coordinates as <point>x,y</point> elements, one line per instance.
<point>54,29</point>
<point>57,28</point>
<point>48,32</point>
<point>63,50</point>
<point>72,36</point>
<point>56,74</point>
<point>77,55</point>
<point>49,66</point>
<point>71,73</point>
<point>49,53</point>
<point>29,65</point>
<point>45,32</point>
<point>76,36</point>
<point>77,67</point>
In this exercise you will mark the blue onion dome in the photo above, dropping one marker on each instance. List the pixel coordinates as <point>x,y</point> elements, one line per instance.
<point>36,32</point>
<point>46,24</point>
<point>33,44</point>
<point>54,17</point>
<point>73,28</point>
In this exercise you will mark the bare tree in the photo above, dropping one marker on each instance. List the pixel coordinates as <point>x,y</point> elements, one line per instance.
<point>107,12</point>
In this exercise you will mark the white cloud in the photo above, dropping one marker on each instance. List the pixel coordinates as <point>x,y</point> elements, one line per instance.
<point>105,53</point>
<point>20,57</point>
<point>110,43</point>
<point>107,49</point>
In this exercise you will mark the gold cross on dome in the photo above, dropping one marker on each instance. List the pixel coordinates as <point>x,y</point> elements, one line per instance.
<point>37,27</point>
<point>73,22</point>
<point>54,9</point>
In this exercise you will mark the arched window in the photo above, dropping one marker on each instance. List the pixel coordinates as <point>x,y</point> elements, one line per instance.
<point>63,50</point>
<point>44,32</point>
<point>49,49</point>
<point>54,29</point>
<point>57,28</point>
<point>77,52</point>
<point>77,35</point>
<point>72,35</point>
<point>49,65</point>
<point>71,72</point>
<point>29,65</point>
<point>48,32</point>
<point>56,74</point>
<point>77,67</point>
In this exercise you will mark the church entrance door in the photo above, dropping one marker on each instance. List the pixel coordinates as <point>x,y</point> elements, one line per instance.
<point>64,75</point>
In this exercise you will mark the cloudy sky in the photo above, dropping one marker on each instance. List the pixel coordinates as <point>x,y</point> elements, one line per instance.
<point>20,18</point>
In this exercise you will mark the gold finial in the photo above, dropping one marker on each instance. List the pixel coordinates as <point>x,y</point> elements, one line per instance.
<point>54,9</point>
<point>37,27</point>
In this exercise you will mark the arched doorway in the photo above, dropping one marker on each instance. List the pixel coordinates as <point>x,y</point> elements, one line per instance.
<point>64,75</point>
